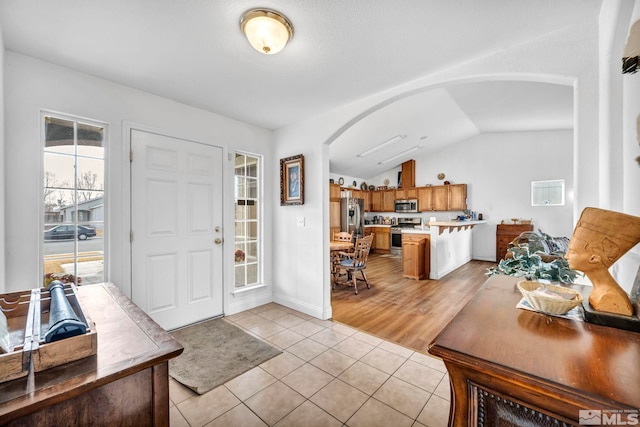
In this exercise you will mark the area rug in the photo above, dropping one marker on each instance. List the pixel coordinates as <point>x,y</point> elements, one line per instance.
<point>215,351</point>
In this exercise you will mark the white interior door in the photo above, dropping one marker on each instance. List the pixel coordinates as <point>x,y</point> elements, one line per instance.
<point>176,218</point>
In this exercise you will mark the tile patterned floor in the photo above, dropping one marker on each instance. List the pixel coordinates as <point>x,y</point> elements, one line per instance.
<point>327,375</point>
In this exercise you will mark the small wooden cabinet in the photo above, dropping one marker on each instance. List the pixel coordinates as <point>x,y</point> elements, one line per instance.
<point>415,256</point>
<point>505,233</point>
<point>440,201</point>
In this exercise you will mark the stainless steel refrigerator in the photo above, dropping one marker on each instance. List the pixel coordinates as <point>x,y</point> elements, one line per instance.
<point>352,216</point>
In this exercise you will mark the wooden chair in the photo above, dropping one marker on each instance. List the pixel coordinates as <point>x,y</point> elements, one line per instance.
<point>341,236</point>
<point>356,261</point>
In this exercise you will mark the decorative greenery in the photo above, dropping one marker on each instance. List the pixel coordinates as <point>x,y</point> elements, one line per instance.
<point>530,266</point>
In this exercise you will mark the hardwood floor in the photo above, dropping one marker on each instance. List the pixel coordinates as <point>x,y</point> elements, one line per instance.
<point>408,312</point>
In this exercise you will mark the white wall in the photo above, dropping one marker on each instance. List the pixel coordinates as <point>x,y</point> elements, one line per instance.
<point>498,169</point>
<point>301,270</point>
<point>32,85</point>
<point>3,276</point>
<point>627,267</point>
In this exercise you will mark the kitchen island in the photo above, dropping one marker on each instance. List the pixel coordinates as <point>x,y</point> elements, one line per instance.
<point>450,245</point>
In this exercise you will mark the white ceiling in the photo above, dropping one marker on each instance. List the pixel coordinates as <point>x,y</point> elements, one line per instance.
<point>192,51</point>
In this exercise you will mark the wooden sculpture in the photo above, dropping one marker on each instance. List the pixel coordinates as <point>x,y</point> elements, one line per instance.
<point>599,239</point>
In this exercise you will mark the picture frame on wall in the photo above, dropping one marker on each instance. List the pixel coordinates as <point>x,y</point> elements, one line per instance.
<point>292,180</point>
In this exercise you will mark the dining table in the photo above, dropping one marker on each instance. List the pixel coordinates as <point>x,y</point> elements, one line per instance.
<point>335,247</point>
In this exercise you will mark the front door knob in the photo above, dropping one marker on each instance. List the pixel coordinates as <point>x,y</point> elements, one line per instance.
<point>218,241</point>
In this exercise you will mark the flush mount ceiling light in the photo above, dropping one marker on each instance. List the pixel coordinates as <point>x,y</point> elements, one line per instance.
<point>404,153</point>
<point>383,144</point>
<point>267,30</point>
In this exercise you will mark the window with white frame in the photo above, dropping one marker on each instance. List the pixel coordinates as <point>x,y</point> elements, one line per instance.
<point>73,199</point>
<point>247,220</point>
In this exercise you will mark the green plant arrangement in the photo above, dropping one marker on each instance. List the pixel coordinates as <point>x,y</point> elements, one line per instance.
<point>530,266</point>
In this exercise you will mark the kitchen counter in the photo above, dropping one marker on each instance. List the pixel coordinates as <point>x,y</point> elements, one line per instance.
<point>456,223</point>
<point>377,225</point>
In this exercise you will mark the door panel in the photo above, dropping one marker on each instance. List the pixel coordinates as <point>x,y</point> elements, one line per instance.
<point>176,204</point>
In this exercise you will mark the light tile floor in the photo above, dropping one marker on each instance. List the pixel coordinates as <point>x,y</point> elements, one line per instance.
<point>328,374</point>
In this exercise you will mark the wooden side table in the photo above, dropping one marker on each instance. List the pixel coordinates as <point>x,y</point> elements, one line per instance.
<point>125,383</point>
<point>509,366</point>
<point>505,233</point>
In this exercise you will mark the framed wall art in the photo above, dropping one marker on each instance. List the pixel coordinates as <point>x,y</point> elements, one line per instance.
<point>292,180</point>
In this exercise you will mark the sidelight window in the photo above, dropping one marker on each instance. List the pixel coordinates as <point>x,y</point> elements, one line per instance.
<point>247,220</point>
<point>73,199</point>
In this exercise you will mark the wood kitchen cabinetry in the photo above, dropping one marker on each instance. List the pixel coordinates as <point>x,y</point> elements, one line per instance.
<point>415,256</point>
<point>381,239</point>
<point>433,198</point>
<point>457,197</point>
<point>334,209</point>
<point>505,233</point>
<point>538,370</point>
<point>409,174</point>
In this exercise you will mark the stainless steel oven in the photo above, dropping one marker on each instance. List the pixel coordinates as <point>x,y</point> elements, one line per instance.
<point>396,240</point>
<point>406,206</point>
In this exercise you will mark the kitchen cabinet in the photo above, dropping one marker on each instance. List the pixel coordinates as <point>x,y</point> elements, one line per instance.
<point>366,196</point>
<point>505,233</point>
<point>376,201</point>
<point>381,240</point>
<point>425,199</point>
<point>448,198</point>
<point>334,209</point>
<point>409,174</point>
<point>407,193</point>
<point>388,200</point>
<point>440,198</point>
<point>415,256</point>
<point>457,197</point>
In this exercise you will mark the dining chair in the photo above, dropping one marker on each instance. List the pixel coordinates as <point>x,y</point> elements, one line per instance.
<point>356,262</point>
<point>341,236</point>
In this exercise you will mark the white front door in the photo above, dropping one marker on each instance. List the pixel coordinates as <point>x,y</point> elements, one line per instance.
<point>176,220</point>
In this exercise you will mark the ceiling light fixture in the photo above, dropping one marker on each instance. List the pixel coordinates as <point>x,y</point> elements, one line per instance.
<point>384,144</point>
<point>267,30</point>
<point>405,152</point>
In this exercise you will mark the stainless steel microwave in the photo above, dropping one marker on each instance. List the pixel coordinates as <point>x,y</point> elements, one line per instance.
<point>407,206</point>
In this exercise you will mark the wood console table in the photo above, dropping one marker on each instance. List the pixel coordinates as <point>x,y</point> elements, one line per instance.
<point>509,366</point>
<point>125,383</point>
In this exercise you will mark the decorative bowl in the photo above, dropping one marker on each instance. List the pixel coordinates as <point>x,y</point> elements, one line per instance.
<point>551,299</point>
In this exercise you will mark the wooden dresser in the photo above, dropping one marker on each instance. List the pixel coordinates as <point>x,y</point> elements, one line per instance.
<point>505,233</point>
<point>513,367</point>
<point>125,383</point>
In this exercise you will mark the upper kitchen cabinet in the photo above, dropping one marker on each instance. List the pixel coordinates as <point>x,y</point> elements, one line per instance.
<point>334,209</point>
<point>443,198</point>
<point>425,199</point>
<point>457,197</point>
<point>409,174</point>
<point>440,200</point>
<point>407,193</point>
<point>388,200</point>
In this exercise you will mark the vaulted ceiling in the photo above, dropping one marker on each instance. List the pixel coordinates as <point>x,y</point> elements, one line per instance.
<point>192,51</point>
